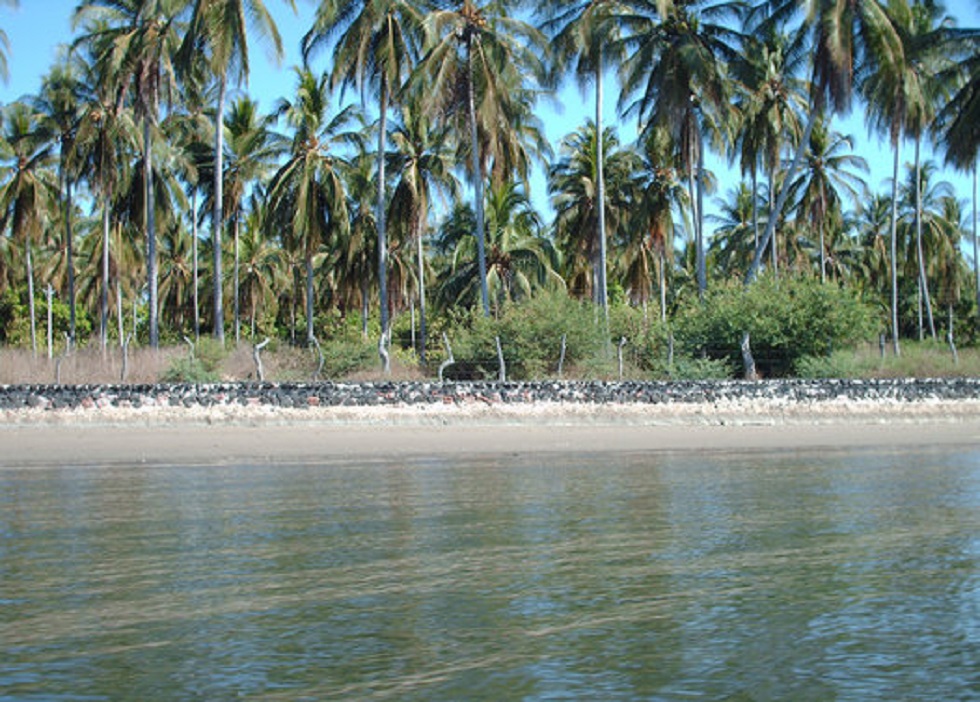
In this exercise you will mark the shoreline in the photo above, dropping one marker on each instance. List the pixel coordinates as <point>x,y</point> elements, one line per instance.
<point>233,434</point>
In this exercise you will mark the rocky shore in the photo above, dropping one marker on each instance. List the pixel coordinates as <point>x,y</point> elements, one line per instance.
<point>300,396</point>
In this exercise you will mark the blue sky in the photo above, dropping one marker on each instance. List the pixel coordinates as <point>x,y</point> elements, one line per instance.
<point>37,27</point>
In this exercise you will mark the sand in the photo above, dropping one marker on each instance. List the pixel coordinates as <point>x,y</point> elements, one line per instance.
<point>263,434</point>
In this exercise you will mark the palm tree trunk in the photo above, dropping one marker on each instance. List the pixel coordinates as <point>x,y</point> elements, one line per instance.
<point>923,278</point>
<point>894,252</point>
<point>755,205</point>
<point>702,262</point>
<point>151,237</point>
<point>663,288</point>
<point>235,282</point>
<point>217,212</point>
<point>197,307</point>
<point>601,192</point>
<point>70,250</point>
<point>30,291</point>
<point>775,239</point>
<point>481,253</point>
<point>382,233</point>
<point>422,320</point>
<point>119,315</point>
<point>775,212</point>
<point>309,298</point>
<point>823,254</point>
<point>976,246</point>
<point>104,318</point>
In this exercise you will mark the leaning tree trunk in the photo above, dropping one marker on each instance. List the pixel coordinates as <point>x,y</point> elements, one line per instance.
<point>894,252</point>
<point>776,211</point>
<point>481,254</point>
<point>217,213</point>
<point>151,237</point>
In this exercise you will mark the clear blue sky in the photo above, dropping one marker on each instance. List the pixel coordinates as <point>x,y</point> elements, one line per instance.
<point>37,27</point>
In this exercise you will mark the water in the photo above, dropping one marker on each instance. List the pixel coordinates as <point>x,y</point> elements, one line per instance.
<point>790,576</point>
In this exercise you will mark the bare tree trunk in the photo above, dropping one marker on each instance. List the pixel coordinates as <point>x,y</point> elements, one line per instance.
<point>382,233</point>
<point>30,293</point>
<point>119,314</point>
<point>422,316</point>
<point>501,366</point>
<point>949,338</point>
<point>256,351</point>
<point>151,236</point>
<point>923,278</point>
<point>197,306</point>
<point>894,253</point>
<point>619,352</point>
<point>237,304</point>
<point>449,357</point>
<point>70,251</point>
<point>747,359</point>
<point>104,319</point>
<point>481,254</point>
<point>601,194</point>
<point>217,216</point>
<point>309,298</point>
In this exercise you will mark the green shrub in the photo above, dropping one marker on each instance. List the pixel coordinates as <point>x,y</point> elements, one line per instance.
<point>787,319</point>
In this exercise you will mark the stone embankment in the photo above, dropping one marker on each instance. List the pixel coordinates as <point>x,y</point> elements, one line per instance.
<point>406,394</point>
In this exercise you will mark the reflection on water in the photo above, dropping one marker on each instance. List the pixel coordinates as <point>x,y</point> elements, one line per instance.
<point>841,576</point>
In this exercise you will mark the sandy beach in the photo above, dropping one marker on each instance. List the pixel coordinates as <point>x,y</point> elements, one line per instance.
<point>264,434</point>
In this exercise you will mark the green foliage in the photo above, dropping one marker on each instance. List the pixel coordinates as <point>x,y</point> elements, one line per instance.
<point>787,319</point>
<point>15,319</point>
<point>530,335</point>
<point>203,366</point>
<point>345,356</point>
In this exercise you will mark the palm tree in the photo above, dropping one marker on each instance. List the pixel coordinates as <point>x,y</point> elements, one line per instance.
<point>422,165</point>
<point>28,188</point>
<point>377,44</point>
<point>138,40</point>
<point>677,78</point>
<point>478,57</point>
<point>106,136</point>
<point>902,96</point>
<point>831,173</point>
<point>306,195</point>
<point>60,102</point>
<point>769,101</point>
<point>845,38</point>
<point>573,183</point>
<point>585,32</point>
<point>519,257</point>
<point>262,270</point>
<point>253,150</point>
<point>218,29</point>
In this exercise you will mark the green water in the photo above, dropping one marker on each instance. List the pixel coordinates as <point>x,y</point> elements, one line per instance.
<point>791,576</point>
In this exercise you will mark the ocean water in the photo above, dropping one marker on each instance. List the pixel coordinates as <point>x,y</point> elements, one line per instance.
<point>850,575</point>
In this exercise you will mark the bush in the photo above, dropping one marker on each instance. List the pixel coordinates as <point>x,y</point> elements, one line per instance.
<point>201,366</point>
<point>787,319</point>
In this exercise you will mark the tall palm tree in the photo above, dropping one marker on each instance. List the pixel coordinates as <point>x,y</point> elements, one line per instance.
<point>218,30</point>
<point>263,273</point>
<point>573,183</point>
<point>845,39</point>
<point>677,79</point>
<point>377,45</point>
<point>106,138</point>
<point>832,172</point>
<point>306,195</point>
<point>478,58</point>
<point>422,165</point>
<point>60,101</point>
<point>138,41</point>
<point>28,187</point>
<point>252,152</point>
<point>769,100</point>
<point>586,33</point>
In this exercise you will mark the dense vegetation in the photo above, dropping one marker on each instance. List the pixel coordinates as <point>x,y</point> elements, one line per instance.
<point>403,217</point>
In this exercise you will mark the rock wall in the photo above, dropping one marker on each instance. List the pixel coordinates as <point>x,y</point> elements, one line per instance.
<point>332,394</point>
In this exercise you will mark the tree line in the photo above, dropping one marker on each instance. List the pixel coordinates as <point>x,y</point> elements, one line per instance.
<point>395,177</point>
